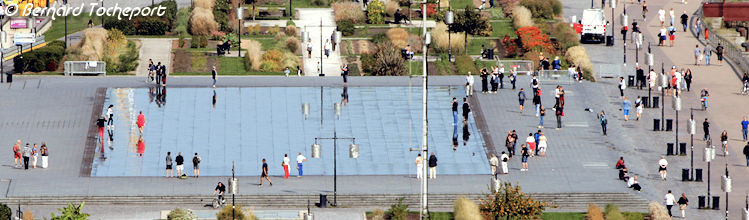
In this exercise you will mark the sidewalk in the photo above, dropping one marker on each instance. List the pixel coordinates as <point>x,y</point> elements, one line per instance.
<point>310,21</point>
<point>158,49</point>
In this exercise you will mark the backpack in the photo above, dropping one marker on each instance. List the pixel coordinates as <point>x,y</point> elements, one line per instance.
<point>196,160</point>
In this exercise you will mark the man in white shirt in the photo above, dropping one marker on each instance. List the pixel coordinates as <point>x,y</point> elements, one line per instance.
<point>670,200</point>
<point>661,15</point>
<point>652,78</point>
<point>504,159</point>
<point>419,167</point>
<point>285,165</point>
<point>493,163</point>
<point>299,160</point>
<point>469,84</point>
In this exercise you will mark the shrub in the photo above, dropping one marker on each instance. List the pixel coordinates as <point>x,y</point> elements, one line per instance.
<point>71,212</point>
<point>320,2</point>
<point>594,213</point>
<point>181,41</point>
<point>183,20</point>
<point>377,214</point>
<point>290,23</point>
<point>346,27</point>
<point>376,12</point>
<point>532,39</point>
<point>440,40</point>
<point>42,59</point>
<point>416,43</point>
<point>565,35</point>
<point>380,38</point>
<point>253,55</point>
<point>92,44</point>
<point>521,17</point>
<point>28,215</point>
<point>398,36</point>
<point>348,11</point>
<point>290,31</point>
<point>511,46</point>
<point>507,5</point>
<point>658,211</point>
<point>202,22</point>
<point>272,60</point>
<point>7,213</point>
<point>293,44</point>
<point>274,30</point>
<point>253,29</point>
<point>126,26</point>
<point>397,211</point>
<point>465,64</point>
<point>511,202</point>
<point>290,60</point>
<point>151,25</point>
<point>221,13</point>
<point>368,63</point>
<point>226,213</point>
<point>578,56</point>
<point>181,214</point>
<point>207,4</point>
<point>431,9</point>
<point>546,9</point>
<point>612,213</point>
<point>391,7</point>
<point>129,60</point>
<point>465,209</point>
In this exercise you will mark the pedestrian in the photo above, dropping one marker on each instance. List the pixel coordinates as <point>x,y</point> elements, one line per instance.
<point>688,79</point>
<point>661,16</point>
<point>501,73</point>
<point>683,203</point>
<point>332,40</point>
<point>604,122</point>
<point>484,82</point>
<point>455,111</point>
<point>719,50</point>
<point>698,27</point>
<point>706,129</point>
<point>158,73</point>
<point>510,143</point>
<point>624,31</point>
<point>541,118</point>
<point>168,164</point>
<point>100,123</point>
<point>285,165</point>
<point>141,122</point>
<point>638,107</point>
<point>513,77</point>
<point>298,71</point>
<point>309,48</point>
<point>622,86</point>
<point>34,156</point>
<point>110,117</point>
<point>534,84</point>
<point>213,75</point>
<point>344,73</point>
<point>559,110</point>
<point>746,153</point>
<point>196,165</point>
<point>640,77</point>
<point>697,55</point>
<point>432,166</point>
<point>644,9</point>
<point>530,142</point>
<point>300,159</point>
<point>724,142</point>
<point>45,155</point>
<point>466,110</point>
<point>662,164</point>
<point>26,156</point>
<point>469,84</point>
<point>626,104</point>
<point>163,75</point>
<point>671,35</point>
<point>17,154</point>
<point>524,157</point>
<point>744,127</point>
<point>670,200</point>
<point>542,144</point>
<point>521,99</point>
<point>327,48</point>
<point>493,164</point>
<point>419,166</point>
<point>537,101</point>
<point>671,16</point>
<point>286,71</point>
<point>504,158</point>
<point>684,19</point>
<point>180,165</point>
<point>264,174</point>
<point>708,51</point>
<point>494,82</point>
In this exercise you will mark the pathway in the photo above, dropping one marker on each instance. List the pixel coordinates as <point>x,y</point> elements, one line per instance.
<point>158,49</point>
<point>310,20</point>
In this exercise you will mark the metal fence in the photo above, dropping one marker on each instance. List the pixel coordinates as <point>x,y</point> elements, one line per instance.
<point>520,66</point>
<point>555,76</point>
<point>732,53</point>
<point>85,68</point>
<point>14,50</point>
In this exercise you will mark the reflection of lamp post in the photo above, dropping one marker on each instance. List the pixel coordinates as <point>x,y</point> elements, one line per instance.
<point>708,157</point>
<point>692,130</point>
<point>663,97</point>
<point>353,153</point>
<point>726,185</point>
<point>449,19</point>
<point>677,108</point>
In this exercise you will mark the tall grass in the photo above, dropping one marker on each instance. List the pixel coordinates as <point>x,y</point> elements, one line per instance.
<point>594,212</point>
<point>579,56</point>
<point>202,22</point>
<point>348,11</point>
<point>442,41</point>
<point>658,211</point>
<point>521,17</point>
<point>465,209</point>
<point>398,36</point>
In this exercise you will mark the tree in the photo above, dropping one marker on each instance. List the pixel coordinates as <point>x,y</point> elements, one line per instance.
<point>388,60</point>
<point>71,212</point>
<point>5,212</point>
<point>470,22</point>
<point>510,202</point>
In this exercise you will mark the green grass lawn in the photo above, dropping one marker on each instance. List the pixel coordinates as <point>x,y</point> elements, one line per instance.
<point>499,29</point>
<point>75,24</point>
<point>474,46</point>
<point>461,4</point>
<point>581,215</point>
<point>416,67</point>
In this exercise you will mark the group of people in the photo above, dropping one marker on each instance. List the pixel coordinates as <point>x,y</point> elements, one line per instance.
<point>180,164</point>
<point>431,162</point>
<point>156,73</point>
<point>26,155</point>
<point>536,144</point>
<point>540,109</point>
<point>632,181</point>
<point>495,78</point>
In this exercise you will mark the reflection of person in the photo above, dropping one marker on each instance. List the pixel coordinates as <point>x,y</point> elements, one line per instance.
<point>214,98</point>
<point>141,145</point>
<point>345,96</point>
<point>466,134</point>
<point>141,121</point>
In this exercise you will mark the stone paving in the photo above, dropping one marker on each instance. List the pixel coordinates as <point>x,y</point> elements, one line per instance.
<point>310,20</point>
<point>153,48</point>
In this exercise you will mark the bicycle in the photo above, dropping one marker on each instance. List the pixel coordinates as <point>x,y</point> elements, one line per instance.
<point>744,89</point>
<point>704,103</point>
<point>219,201</point>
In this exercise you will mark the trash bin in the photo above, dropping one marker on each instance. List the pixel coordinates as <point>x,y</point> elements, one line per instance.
<point>9,78</point>
<point>631,80</point>
<point>610,40</point>
<point>669,124</point>
<point>669,149</point>
<point>701,202</point>
<point>698,175</point>
<point>684,174</point>
<point>716,203</point>
<point>656,124</point>
<point>682,149</point>
<point>323,201</point>
<point>655,102</point>
<point>645,101</point>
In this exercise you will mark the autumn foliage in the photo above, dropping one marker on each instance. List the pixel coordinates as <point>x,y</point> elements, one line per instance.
<point>510,201</point>
<point>532,39</point>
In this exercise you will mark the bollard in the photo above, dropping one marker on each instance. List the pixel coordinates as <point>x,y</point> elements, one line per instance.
<point>682,149</point>
<point>669,149</point>
<point>669,124</point>
<point>656,124</point>
<point>716,203</point>
<point>698,175</point>
<point>684,174</point>
<point>656,103</point>
<point>701,202</point>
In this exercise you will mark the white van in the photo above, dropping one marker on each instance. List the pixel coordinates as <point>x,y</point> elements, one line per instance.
<point>594,26</point>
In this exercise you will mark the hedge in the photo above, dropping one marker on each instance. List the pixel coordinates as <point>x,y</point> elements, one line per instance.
<point>43,59</point>
<point>146,25</point>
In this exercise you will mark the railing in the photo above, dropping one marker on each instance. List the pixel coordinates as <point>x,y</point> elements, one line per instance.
<point>557,76</point>
<point>731,52</point>
<point>85,68</point>
<point>520,66</point>
<point>14,50</point>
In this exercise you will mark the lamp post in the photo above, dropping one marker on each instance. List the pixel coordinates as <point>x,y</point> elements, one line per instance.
<point>692,128</point>
<point>353,153</point>
<point>709,156</point>
<point>233,190</point>
<point>650,69</point>
<point>726,184</point>
<point>102,17</point>
<point>424,214</point>
<point>677,108</point>
<point>291,10</point>
<point>613,21</point>
<point>663,98</point>
<point>449,19</point>
<point>239,29</point>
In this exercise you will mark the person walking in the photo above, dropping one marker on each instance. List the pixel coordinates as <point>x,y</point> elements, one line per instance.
<point>670,200</point>
<point>213,75</point>
<point>719,50</point>
<point>327,48</point>
<point>510,143</point>
<point>744,127</point>
<point>196,165</point>
<point>542,144</point>
<point>706,129</point>
<point>419,167</point>
<point>141,122</point>
<point>501,73</point>
<point>466,110</point>
<point>455,111</point>
<point>494,81</point>
<point>26,156</point>
<point>300,159</point>
<point>708,51</point>
<point>697,55</point>
<point>524,152</point>
<point>746,153</point>
<point>661,16</point>
<point>110,117</point>
<point>513,77</point>
<point>309,48</point>
<point>493,164</point>
<point>168,164</point>
<point>285,165</point>
<point>17,154</point>
<point>662,164</point>
<point>684,18</point>
<point>603,120</point>
<point>432,166</point>
<point>559,110</point>
<point>671,16</point>
<point>264,174</point>
<point>626,104</point>
<point>688,79</point>
<point>504,158</point>
<point>530,143</point>
<point>521,99</point>
<point>484,82</point>
<point>180,164</point>
<point>542,113</point>
<point>537,101</point>
<point>34,156</point>
<point>469,84</point>
<point>683,203</point>
<point>638,108</point>
<point>45,155</point>
<point>622,86</point>
<point>724,142</point>
<point>344,73</point>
